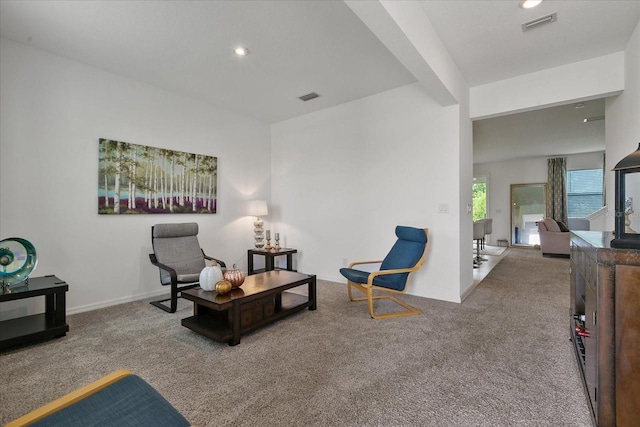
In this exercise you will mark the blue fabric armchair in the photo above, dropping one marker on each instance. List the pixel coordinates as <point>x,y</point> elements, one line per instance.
<point>405,257</point>
<point>115,400</point>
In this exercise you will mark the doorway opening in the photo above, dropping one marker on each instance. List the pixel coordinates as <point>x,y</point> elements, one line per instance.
<point>528,207</point>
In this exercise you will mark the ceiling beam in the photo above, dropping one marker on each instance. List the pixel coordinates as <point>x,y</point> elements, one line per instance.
<point>405,30</point>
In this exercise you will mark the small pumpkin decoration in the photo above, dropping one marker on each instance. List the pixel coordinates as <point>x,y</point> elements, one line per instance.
<point>235,276</point>
<point>223,287</point>
<point>209,276</point>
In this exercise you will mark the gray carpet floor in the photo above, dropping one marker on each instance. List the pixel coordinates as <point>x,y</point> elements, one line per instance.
<point>501,358</point>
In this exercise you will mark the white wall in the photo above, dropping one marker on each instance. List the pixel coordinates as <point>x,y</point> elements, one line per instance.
<point>53,111</point>
<point>344,177</point>
<point>500,176</point>
<point>465,202</point>
<point>623,120</point>
<point>585,161</point>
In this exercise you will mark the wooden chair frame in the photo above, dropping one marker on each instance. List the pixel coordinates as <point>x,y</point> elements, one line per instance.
<point>370,287</point>
<point>69,399</point>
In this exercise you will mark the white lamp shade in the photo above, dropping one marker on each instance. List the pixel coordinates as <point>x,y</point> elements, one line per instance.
<point>257,208</point>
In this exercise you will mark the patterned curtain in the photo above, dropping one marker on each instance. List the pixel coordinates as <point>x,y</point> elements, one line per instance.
<point>556,189</point>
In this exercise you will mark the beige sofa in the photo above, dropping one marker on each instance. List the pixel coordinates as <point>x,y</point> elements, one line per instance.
<point>553,241</point>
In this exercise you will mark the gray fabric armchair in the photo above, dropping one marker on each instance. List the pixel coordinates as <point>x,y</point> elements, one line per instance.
<point>553,240</point>
<point>177,253</point>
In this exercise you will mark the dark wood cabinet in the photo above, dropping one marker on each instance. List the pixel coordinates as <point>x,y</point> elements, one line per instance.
<point>605,326</point>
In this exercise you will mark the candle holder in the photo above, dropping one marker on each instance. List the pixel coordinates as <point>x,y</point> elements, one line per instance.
<point>268,246</point>
<point>277,248</point>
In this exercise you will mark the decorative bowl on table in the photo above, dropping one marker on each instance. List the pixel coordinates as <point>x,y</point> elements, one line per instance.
<point>17,260</point>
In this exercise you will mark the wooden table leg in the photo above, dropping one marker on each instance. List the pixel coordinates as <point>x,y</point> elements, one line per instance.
<point>312,292</point>
<point>60,308</point>
<point>278,302</point>
<point>235,326</point>
<point>250,263</point>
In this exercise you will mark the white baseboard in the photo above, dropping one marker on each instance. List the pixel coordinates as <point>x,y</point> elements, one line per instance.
<point>468,292</point>
<point>116,301</point>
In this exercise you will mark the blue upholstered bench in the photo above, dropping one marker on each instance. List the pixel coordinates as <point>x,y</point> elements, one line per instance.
<point>118,399</point>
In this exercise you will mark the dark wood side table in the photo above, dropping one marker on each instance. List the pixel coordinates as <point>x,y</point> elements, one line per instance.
<point>269,256</point>
<point>52,323</point>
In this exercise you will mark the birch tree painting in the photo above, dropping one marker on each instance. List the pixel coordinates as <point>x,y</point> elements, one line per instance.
<point>136,179</point>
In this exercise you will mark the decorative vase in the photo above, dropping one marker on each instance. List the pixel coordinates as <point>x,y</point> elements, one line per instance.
<point>235,276</point>
<point>209,276</point>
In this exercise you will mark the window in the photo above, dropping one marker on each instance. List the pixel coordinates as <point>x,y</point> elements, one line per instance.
<point>584,192</point>
<point>479,198</point>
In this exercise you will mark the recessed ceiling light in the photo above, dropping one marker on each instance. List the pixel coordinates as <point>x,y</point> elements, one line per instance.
<point>579,105</point>
<point>528,4</point>
<point>241,51</point>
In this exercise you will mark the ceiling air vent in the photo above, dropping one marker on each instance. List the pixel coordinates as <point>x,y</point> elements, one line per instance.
<point>309,96</point>
<point>540,21</point>
<point>592,119</point>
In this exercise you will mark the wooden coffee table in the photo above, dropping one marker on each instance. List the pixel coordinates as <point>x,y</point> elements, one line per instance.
<point>260,300</point>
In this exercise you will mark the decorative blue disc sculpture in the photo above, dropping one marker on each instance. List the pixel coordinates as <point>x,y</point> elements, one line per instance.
<point>17,260</point>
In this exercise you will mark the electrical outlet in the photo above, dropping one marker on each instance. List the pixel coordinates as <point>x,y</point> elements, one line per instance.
<point>443,208</point>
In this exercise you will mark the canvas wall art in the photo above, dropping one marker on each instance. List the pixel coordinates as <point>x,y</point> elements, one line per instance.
<point>137,179</point>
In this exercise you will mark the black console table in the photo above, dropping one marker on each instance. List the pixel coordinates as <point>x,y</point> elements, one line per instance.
<point>52,323</point>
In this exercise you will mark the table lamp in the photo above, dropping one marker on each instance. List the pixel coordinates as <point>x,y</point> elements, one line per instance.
<point>258,208</point>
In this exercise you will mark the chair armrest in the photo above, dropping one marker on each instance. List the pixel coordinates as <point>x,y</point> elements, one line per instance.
<point>69,399</point>
<point>364,262</point>
<point>171,271</point>
<point>374,274</point>
<point>220,262</point>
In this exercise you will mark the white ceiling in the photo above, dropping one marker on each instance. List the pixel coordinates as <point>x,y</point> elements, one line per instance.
<point>302,46</point>
<point>555,131</point>
<point>486,41</point>
<point>299,47</point>
<point>187,47</point>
